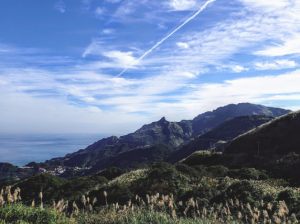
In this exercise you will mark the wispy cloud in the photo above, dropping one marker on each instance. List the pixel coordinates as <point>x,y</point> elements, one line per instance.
<point>99,12</point>
<point>278,64</point>
<point>161,26</point>
<point>181,4</point>
<point>160,42</point>
<point>266,5</point>
<point>183,77</point>
<point>60,6</point>
<point>289,47</point>
<point>86,4</point>
<point>108,31</point>
<point>182,45</point>
<point>122,58</point>
<point>238,68</point>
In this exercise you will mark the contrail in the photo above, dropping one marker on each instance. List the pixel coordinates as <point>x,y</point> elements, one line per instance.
<point>155,46</point>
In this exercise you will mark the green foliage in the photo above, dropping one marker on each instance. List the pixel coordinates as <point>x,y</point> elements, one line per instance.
<point>185,169</point>
<point>165,179</point>
<point>244,191</point>
<point>75,188</point>
<point>247,174</point>
<point>111,173</point>
<point>289,197</point>
<point>10,172</point>
<point>34,215</point>
<point>291,157</point>
<point>217,171</point>
<point>202,192</point>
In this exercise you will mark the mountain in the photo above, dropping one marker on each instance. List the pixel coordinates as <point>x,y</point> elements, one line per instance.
<point>280,136</point>
<point>137,158</point>
<point>220,136</point>
<point>206,121</point>
<point>173,134</point>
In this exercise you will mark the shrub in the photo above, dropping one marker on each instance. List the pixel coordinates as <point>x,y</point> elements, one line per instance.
<point>111,173</point>
<point>244,191</point>
<point>185,169</point>
<point>289,197</point>
<point>218,171</point>
<point>164,178</point>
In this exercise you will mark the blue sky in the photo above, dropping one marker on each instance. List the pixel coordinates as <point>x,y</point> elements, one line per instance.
<point>73,66</point>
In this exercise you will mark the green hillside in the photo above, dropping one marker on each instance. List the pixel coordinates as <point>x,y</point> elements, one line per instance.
<point>219,136</point>
<point>280,136</point>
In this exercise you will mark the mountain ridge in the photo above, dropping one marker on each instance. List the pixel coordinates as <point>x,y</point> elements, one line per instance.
<point>173,134</point>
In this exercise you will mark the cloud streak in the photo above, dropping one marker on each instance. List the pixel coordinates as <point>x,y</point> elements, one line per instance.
<point>160,42</point>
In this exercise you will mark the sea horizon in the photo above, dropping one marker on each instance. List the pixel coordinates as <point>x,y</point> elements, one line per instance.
<point>20,149</point>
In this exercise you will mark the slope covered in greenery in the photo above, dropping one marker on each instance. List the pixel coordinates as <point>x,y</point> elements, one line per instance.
<point>280,136</point>
<point>164,193</point>
<point>219,136</point>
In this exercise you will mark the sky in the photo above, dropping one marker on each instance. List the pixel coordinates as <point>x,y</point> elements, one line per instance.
<point>110,66</point>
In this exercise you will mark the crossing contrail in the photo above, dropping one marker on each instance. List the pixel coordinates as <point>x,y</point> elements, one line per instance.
<point>156,45</point>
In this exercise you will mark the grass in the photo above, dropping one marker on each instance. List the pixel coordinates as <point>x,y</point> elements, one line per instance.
<point>19,213</point>
<point>156,209</point>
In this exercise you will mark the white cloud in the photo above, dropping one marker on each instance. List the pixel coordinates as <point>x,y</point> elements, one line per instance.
<point>94,109</point>
<point>124,59</point>
<point>293,108</point>
<point>182,45</point>
<point>99,12</point>
<point>188,74</point>
<point>290,46</point>
<point>108,31</point>
<point>278,64</point>
<point>238,68</point>
<point>178,5</point>
<point>60,6</point>
<point>265,5</point>
<point>161,26</point>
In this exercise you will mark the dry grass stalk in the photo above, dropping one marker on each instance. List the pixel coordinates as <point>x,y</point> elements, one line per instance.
<point>2,202</point>
<point>174,214</point>
<point>171,204</point>
<point>269,207</point>
<point>105,195</point>
<point>94,201</point>
<point>83,200</point>
<point>239,215</point>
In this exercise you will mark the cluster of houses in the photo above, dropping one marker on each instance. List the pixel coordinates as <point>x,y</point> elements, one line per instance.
<point>56,172</point>
<point>59,170</point>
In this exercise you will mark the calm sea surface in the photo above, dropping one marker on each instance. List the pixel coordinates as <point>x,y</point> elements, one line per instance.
<point>22,149</point>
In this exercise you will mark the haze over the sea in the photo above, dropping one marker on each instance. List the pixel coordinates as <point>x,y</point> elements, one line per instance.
<point>20,149</point>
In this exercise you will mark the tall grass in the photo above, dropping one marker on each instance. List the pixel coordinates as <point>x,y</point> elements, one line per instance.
<point>157,209</point>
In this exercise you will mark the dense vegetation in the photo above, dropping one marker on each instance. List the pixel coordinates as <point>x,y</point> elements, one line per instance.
<point>162,193</point>
<point>10,172</point>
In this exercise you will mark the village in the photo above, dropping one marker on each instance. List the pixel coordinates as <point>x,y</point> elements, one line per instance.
<point>56,172</point>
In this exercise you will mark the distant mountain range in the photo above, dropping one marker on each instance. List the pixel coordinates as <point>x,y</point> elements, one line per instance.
<point>145,145</point>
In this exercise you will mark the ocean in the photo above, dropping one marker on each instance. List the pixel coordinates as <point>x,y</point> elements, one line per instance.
<point>20,149</point>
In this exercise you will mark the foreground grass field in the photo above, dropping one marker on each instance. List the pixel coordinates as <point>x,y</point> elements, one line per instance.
<point>157,208</point>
